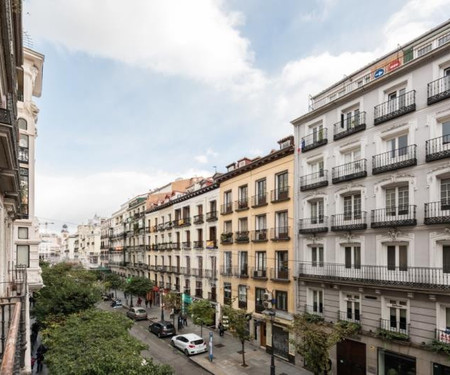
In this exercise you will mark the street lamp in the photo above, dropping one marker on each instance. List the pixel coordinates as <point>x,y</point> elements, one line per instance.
<point>162,306</point>
<point>272,359</point>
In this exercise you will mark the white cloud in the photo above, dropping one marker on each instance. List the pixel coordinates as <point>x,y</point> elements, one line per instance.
<point>320,13</point>
<point>194,39</point>
<point>203,159</point>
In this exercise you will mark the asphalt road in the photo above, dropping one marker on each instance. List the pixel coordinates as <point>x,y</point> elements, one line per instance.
<point>160,349</point>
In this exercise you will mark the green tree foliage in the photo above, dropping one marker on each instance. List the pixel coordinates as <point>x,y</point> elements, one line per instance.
<point>138,286</point>
<point>114,281</point>
<point>238,324</point>
<point>314,338</point>
<point>172,300</point>
<point>68,289</point>
<point>202,313</point>
<point>96,342</point>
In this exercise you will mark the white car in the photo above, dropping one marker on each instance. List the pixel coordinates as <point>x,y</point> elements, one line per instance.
<point>190,343</point>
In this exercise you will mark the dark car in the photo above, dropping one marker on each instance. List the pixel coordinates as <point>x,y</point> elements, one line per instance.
<point>162,329</point>
<point>116,303</point>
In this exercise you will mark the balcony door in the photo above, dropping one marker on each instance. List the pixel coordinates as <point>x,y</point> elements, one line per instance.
<point>350,119</point>
<point>317,133</point>
<point>317,216</point>
<point>352,207</point>
<point>445,194</point>
<point>398,147</point>
<point>398,320</point>
<point>397,201</point>
<point>260,187</point>
<point>396,100</point>
<point>397,258</point>
<point>317,168</point>
<point>446,258</point>
<point>353,257</point>
<point>317,256</point>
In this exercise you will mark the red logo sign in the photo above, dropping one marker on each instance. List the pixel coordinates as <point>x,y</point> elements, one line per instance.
<point>393,65</point>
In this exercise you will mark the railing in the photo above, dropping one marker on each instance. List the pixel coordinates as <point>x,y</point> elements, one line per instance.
<point>211,274</point>
<point>350,316</point>
<point>318,224</point>
<point>443,335</point>
<point>280,274</point>
<point>242,237</point>
<point>395,107</point>
<point>280,234</point>
<point>211,216</point>
<point>226,271</point>
<point>437,148</point>
<point>259,273</point>
<point>241,271</point>
<point>395,159</point>
<point>226,238</point>
<point>414,277</point>
<point>259,307</point>
<point>198,219</point>
<point>259,235</point>
<point>316,309</point>
<point>353,220</point>
<point>168,225</point>
<point>437,212</point>
<point>211,244</point>
<point>395,326</point>
<point>313,140</point>
<point>12,341</point>
<point>394,216</point>
<point>185,221</point>
<point>23,154</point>
<point>186,271</point>
<point>241,204</point>
<point>349,171</point>
<point>197,272</point>
<point>314,180</point>
<point>259,200</point>
<point>186,245</point>
<point>198,245</point>
<point>348,126</point>
<point>280,194</point>
<point>438,90</point>
<point>226,208</point>
<point>176,246</point>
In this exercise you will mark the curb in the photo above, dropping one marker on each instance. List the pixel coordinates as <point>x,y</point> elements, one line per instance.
<point>214,371</point>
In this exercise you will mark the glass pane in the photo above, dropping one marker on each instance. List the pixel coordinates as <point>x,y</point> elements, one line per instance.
<point>357,261</point>
<point>403,258</point>
<point>391,258</point>
<point>348,257</point>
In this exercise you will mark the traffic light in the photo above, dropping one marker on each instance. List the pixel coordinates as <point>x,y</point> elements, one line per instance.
<point>267,301</point>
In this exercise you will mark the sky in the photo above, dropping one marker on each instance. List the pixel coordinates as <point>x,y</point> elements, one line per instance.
<point>136,96</point>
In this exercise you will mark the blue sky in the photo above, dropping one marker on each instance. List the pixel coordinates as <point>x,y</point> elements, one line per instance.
<point>134,97</point>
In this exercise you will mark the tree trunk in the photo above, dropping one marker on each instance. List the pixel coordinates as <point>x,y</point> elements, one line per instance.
<point>243,354</point>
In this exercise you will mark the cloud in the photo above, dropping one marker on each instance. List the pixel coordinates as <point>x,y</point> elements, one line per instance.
<point>321,13</point>
<point>198,40</point>
<point>203,159</point>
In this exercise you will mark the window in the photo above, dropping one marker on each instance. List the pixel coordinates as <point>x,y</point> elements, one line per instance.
<point>317,256</point>
<point>317,133</point>
<point>397,201</point>
<point>397,257</point>
<point>445,194</point>
<point>352,207</point>
<point>446,125</point>
<point>350,118</point>
<point>281,300</point>
<point>243,263</point>
<point>260,223</point>
<point>398,146</point>
<point>352,155</point>
<point>243,196</point>
<point>23,140</point>
<point>423,50</point>
<point>317,301</point>
<point>353,257</point>
<point>446,258</point>
<point>443,39</point>
<point>398,311</point>
<point>227,293</point>
<point>318,168</point>
<point>316,207</point>
<point>260,188</point>
<point>23,255</point>
<point>243,224</point>
<point>227,227</point>
<point>282,224</point>
<point>260,263</point>
<point>22,124</point>
<point>259,298</point>
<point>282,264</point>
<point>22,233</point>
<point>353,307</point>
<point>227,262</point>
<point>281,183</point>
<point>242,296</point>
<point>396,100</point>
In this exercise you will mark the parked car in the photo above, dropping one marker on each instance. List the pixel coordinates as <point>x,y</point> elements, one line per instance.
<point>189,343</point>
<point>162,329</point>
<point>116,303</point>
<point>137,313</point>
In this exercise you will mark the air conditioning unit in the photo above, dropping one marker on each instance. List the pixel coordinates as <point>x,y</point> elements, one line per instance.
<point>267,297</point>
<point>267,305</point>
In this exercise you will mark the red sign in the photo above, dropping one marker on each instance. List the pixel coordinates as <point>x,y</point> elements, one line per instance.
<point>394,64</point>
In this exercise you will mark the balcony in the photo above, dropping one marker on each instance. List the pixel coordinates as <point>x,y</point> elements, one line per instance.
<point>186,271</point>
<point>176,246</point>
<point>280,234</point>
<point>349,126</point>
<point>23,154</point>
<point>242,237</point>
<point>349,316</point>
<point>349,171</point>
<point>168,225</point>
<point>259,235</point>
<point>438,90</point>
<point>280,195</point>
<point>259,273</point>
<point>184,222</point>
<point>349,221</point>
<point>226,238</point>
<point>226,271</point>
<point>226,208</point>
<point>395,159</point>
<point>161,227</point>
<point>280,274</point>
<point>211,274</point>
<point>437,148</point>
<point>411,277</point>
<point>317,224</point>
<point>314,140</point>
<point>198,245</point>
<point>259,200</point>
<point>211,244</point>
<point>186,245</point>
<point>259,307</point>
<point>395,216</point>
<point>9,178</point>
<point>394,108</point>
<point>443,336</point>
<point>241,205</point>
<point>242,272</point>
<point>314,180</point>
<point>198,219</point>
<point>437,213</point>
<point>197,272</point>
<point>211,216</point>
<point>315,309</point>
<point>212,296</point>
<point>398,330</point>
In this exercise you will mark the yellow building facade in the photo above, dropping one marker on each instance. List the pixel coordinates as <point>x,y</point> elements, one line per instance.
<point>256,250</point>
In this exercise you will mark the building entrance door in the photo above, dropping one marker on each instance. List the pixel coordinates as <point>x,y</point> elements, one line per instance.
<point>351,358</point>
<point>262,334</point>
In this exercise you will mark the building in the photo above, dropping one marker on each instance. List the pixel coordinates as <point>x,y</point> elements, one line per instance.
<point>50,248</point>
<point>256,250</point>
<point>88,237</point>
<point>373,213</point>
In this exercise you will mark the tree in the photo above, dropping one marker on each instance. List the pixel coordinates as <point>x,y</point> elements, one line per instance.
<point>114,281</point>
<point>96,342</point>
<point>202,313</point>
<point>138,286</point>
<point>238,324</point>
<point>172,301</point>
<point>314,338</point>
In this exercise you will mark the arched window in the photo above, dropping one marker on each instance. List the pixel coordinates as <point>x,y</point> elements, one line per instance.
<point>22,124</point>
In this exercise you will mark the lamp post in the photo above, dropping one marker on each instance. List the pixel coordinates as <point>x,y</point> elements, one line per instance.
<point>162,306</point>
<point>272,359</point>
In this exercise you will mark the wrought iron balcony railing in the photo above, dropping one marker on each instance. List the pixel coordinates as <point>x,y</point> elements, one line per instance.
<point>394,108</point>
<point>13,342</point>
<point>226,238</point>
<point>348,126</point>
<point>211,244</point>
<point>259,200</point>
<point>438,90</point>
<point>314,140</point>
<point>198,219</point>
<point>259,235</point>
<point>280,194</point>
<point>394,216</point>
<point>349,221</point>
<point>186,245</point>
<point>437,148</point>
<point>280,234</point>
<point>211,216</point>
<point>350,316</point>
<point>259,307</point>
<point>437,212</point>
<point>241,204</point>
<point>226,208</point>
<point>259,273</point>
<point>242,237</point>
<point>316,309</point>
<point>198,245</point>
<point>391,325</point>
<point>412,277</point>
<point>443,335</point>
<point>280,274</point>
<point>318,224</point>
<point>349,171</point>
<point>183,222</point>
<point>226,271</point>
<point>395,159</point>
<point>211,274</point>
<point>314,180</point>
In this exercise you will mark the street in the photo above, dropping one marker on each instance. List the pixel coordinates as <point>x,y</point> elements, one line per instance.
<point>159,349</point>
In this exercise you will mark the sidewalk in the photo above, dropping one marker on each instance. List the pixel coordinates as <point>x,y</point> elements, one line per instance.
<point>227,356</point>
